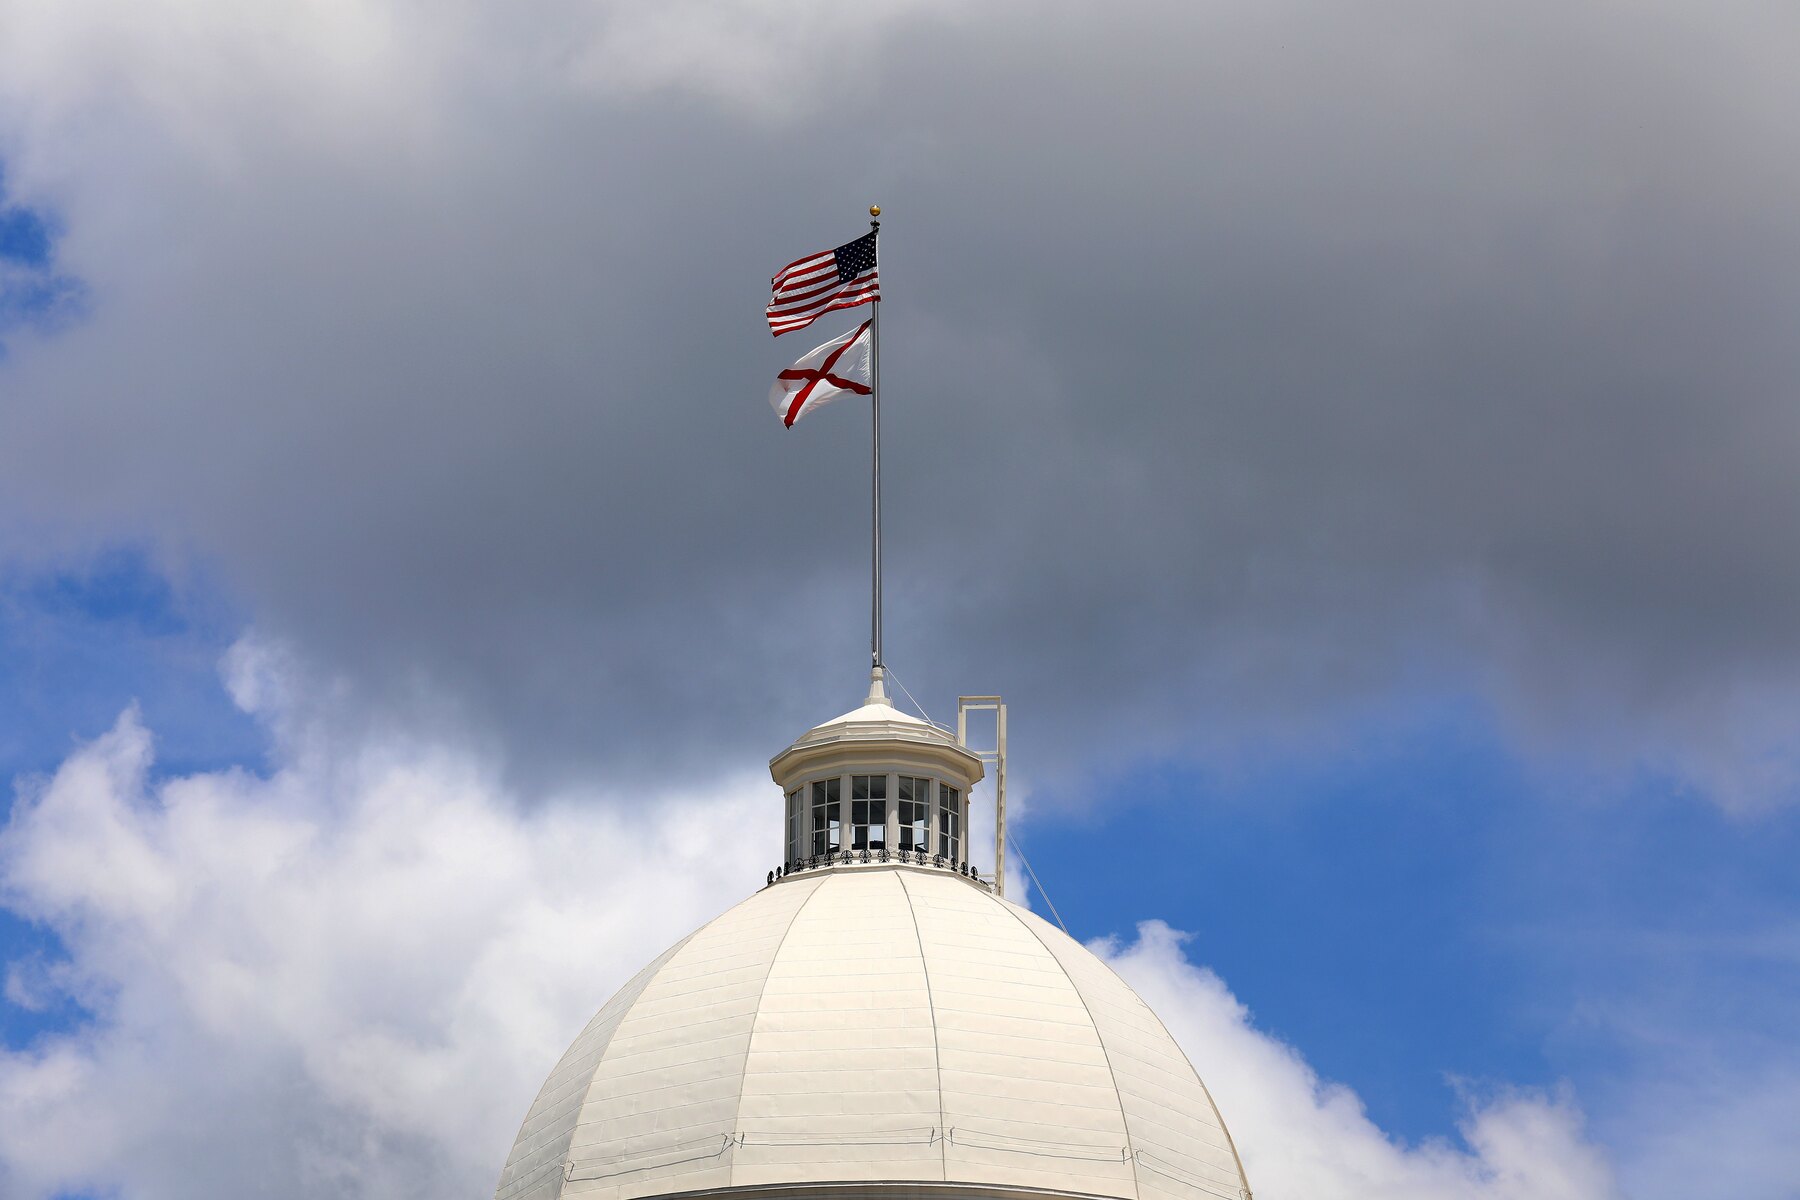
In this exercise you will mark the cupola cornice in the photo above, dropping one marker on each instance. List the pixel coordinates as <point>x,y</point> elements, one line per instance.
<point>876,735</point>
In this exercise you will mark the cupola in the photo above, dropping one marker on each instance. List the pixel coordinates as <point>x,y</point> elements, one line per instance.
<point>873,786</point>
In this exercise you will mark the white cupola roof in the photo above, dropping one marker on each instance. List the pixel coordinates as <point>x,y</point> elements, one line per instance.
<point>876,734</point>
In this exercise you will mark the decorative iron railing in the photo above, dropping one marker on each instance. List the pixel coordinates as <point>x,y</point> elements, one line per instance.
<point>845,858</point>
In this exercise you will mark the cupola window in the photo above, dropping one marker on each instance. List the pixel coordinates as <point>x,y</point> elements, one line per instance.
<point>949,822</point>
<point>913,805</point>
<point>796,814</point>
<point>876,818</point>
<point>827,818</point>
<point>868,812</point>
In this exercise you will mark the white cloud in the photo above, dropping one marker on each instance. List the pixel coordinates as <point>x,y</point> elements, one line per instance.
<point>1304,1137</point>
<point>216,72</point>
<point>1708,1123</point>
<point>338,979</point>
<point>776,57</point>
<point>348,976</point>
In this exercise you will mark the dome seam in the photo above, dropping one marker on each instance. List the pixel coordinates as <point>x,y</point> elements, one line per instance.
<point>937,1050</point>
<point>1219,1117</point>
<point>649,975</point>
<point>1124,1119</point>
<point>737,1112</point>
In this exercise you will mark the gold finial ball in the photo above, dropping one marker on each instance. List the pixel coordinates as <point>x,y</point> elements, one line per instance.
<point>874,210</point>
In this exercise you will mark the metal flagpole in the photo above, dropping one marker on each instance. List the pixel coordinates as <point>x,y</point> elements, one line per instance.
<point>875,447</point>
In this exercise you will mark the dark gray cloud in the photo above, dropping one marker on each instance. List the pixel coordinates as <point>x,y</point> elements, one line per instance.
<point>1248,368</point>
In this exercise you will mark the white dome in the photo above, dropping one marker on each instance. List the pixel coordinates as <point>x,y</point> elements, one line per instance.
<point>885,1030</point>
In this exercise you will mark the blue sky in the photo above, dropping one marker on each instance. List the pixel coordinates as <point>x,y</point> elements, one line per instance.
<point>23,236</point>
<point>1513,918</point>
<point>32,290</point>
<point>76,648</point>
<point>80,645</point>
<point>1359,448</point>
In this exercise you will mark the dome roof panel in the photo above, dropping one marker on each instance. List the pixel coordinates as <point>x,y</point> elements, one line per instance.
<point>535,1166</point>
<point>1026,1090</point>
<point>841,1079</point>
<point>864,1026</point>
<point>1174,1124</point>
<point>662,1106</point>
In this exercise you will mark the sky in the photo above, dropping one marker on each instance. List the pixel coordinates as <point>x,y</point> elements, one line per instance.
<point>1356,440</point>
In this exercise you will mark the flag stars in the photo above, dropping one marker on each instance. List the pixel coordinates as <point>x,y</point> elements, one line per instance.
<point>853,258</point>
<point>807,288</point>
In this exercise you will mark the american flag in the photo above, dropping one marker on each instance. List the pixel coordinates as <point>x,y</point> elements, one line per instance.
<point>809,288</point>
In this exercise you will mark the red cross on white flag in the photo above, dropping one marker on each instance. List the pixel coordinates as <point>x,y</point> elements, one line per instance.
<point>839,367</point>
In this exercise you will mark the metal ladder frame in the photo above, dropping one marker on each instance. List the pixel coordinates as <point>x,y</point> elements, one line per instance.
<point>995,758</point>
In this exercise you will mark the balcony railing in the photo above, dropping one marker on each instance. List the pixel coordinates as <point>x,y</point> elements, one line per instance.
<point>845,858</point>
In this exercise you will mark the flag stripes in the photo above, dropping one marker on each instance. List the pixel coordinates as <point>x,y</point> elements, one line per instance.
<point>808,288</point>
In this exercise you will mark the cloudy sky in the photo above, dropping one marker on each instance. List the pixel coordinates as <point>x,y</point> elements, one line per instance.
<point>1358,441</point>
